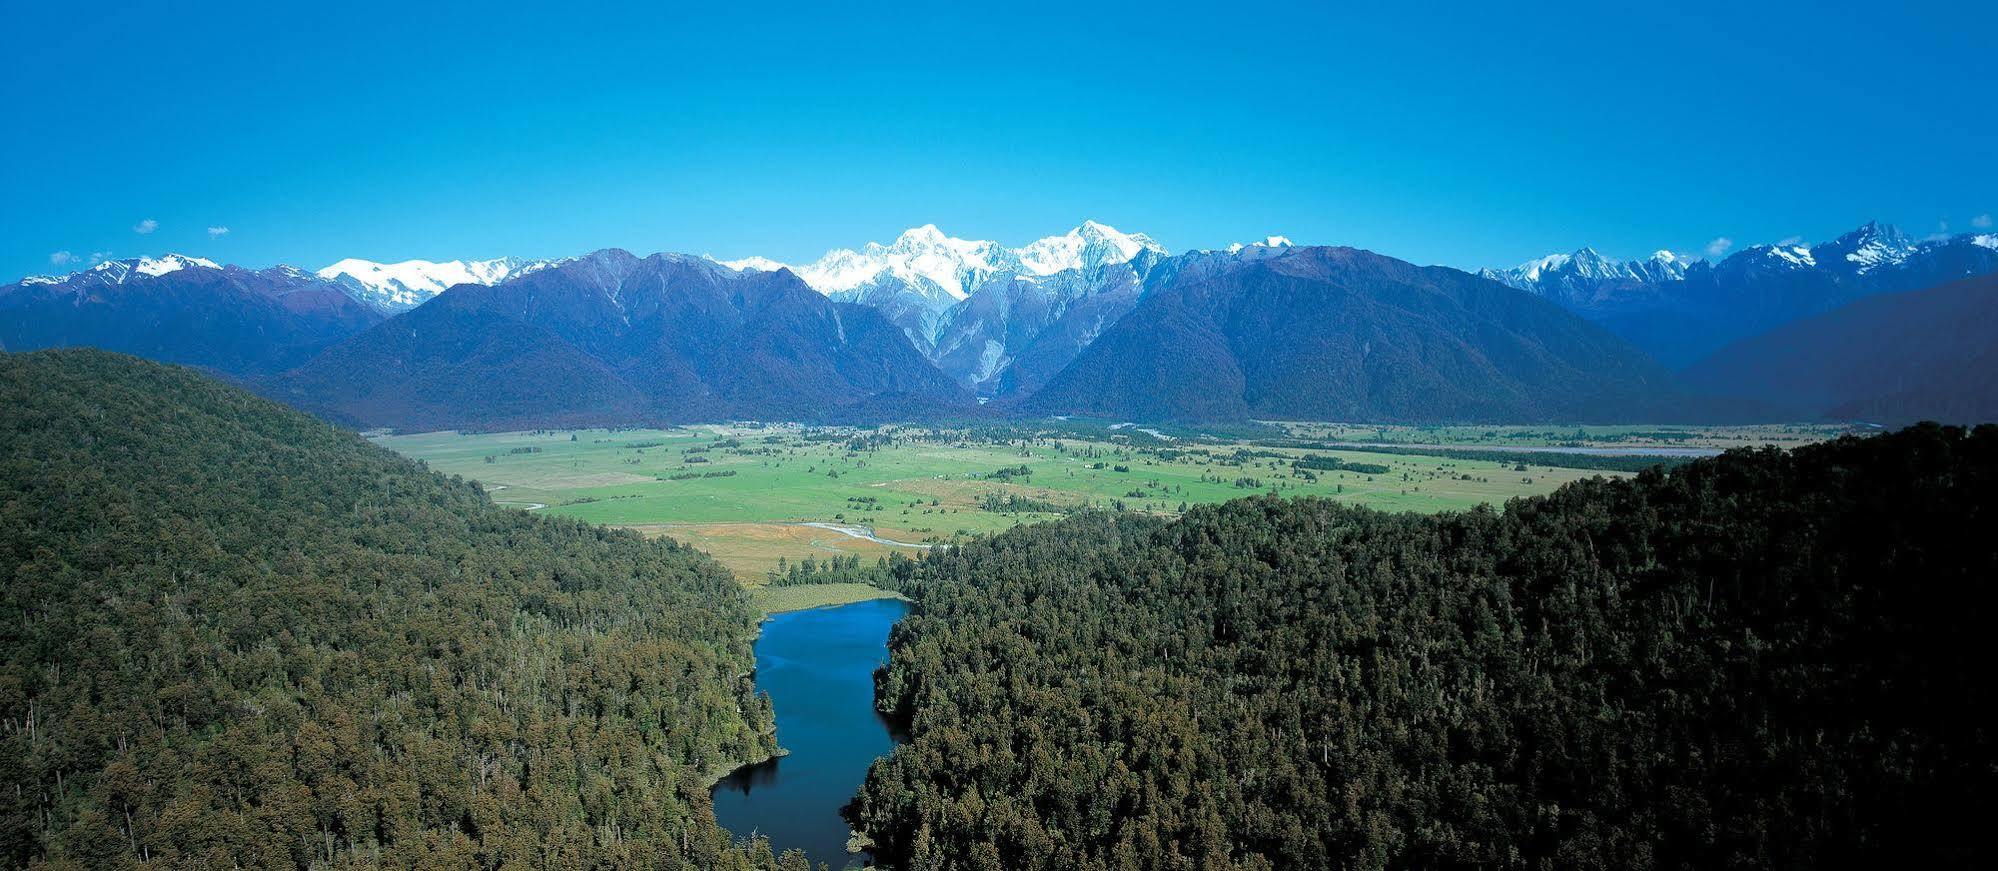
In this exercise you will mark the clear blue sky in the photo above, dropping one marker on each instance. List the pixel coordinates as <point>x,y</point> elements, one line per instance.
<point>1460,134</point>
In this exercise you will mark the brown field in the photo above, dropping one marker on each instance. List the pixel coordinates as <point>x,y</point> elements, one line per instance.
<point>752,550</point>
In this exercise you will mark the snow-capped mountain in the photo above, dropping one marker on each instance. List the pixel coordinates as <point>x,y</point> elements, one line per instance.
<point>753,264</point>
<point>1582,274</point>
<point>929,284</point>
<point>612,338</point>
<point>1090,246</point>
<point>118,271</point>
<point>1266,242</point>
<point>1873,246</point>
<point>1681,309</point>
<point>396,287</point>
<point>923,258</point>
<point>1069,289</point>
<point>184,310</point>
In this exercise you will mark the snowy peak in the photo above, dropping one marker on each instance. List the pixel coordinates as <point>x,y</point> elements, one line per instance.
<point>1089,246</point>
<point>752,264</point>
<point>394,287</point>
<point>1780,257</point>
<point>937,265</point>
<point>932,263</point>
<point>1266,242</point>
<point>171,263</point>
<point>1870,247</point>
<point>1587,267</point>
<point>121,271</point>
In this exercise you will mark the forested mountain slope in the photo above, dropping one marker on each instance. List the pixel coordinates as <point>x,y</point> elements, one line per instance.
<point>1894,358</point>
<point>184,310</point>
<point>235,636</point>
<point>610,339</point>
<point>1344,334</point>
<point>1764,660</point>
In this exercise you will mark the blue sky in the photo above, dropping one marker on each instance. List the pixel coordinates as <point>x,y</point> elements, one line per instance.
<point>1467,134</point>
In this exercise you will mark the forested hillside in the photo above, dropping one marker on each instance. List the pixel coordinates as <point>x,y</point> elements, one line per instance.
<point>234,636</point>
<point>1894,358</point>
<point>1764,660</point>
<point>1343,334</point>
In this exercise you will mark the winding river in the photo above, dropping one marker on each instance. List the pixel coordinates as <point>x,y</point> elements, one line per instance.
<point>818,667</point>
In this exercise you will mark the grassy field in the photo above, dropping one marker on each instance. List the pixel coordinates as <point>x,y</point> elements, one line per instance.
<point>744,493</point>
<point>1622,436</point>
<point>799,598</point>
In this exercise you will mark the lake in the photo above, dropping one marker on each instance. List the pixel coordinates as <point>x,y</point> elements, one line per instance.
<point>818,667</point>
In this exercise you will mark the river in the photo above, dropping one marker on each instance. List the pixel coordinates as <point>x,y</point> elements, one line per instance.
<point>818,667</point>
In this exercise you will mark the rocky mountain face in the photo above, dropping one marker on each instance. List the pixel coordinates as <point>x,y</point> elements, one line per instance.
<point>974,307</point>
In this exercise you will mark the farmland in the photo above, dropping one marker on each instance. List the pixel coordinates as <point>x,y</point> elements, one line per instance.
<point>746,492</point>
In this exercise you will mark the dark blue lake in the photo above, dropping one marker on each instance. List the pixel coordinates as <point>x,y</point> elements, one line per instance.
<point>818,667</point>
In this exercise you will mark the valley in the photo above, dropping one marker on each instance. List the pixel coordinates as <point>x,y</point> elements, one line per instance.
<point>750,494</point>
<point>932,437</point>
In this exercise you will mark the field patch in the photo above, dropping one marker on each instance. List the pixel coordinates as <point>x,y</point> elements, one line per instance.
<point>754,550</point>
<point>798,598</point>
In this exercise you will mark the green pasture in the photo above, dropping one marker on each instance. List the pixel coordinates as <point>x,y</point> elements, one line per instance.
<point>739,490</point>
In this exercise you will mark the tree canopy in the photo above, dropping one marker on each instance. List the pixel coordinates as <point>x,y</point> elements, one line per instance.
<point>232,635</point>
<point>1763,660</point>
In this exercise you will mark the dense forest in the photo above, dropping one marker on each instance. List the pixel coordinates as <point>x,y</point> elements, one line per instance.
<point>1762,660</point>
<point>234,636</point>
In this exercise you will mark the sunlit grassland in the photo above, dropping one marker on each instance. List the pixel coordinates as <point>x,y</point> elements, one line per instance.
<point>739,492</point>
<point>798,598</point>
<point>1635,436</point>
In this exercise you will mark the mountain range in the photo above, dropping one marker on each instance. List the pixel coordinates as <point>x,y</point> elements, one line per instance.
<point>1680,310</point>
<point>1092,321</point>
<point>399,287</point>
<point>974,307</point>
<point>185,310</point>
<point>1343,334</point>
<point>613,339</point>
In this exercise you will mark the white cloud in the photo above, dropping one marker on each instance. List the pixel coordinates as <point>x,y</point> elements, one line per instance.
<point>1981,222</point>
<point>1790,241</point>
<point>217,232</point>
<point>146,226</point>
<point>97,257</point>
<point>62,258</point>
<point>1719,246</point>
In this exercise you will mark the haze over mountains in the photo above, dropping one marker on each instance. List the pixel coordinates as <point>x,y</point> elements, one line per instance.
<point>1892,358</point>
<point>1091,321</point>
<point>1680,311</point>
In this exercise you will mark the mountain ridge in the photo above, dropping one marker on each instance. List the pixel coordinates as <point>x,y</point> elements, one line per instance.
<point>1321,333</point>
<point>613,339</point>
<point>1680,310</point>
